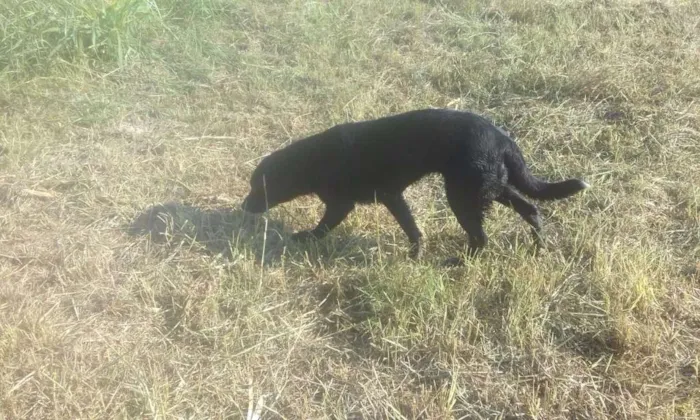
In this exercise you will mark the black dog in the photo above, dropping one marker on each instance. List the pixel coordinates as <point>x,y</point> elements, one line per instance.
<point>377,160</point>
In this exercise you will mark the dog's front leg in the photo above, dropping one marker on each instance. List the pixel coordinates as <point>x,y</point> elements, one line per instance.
<point>336,212</point>
<point>402,213</point>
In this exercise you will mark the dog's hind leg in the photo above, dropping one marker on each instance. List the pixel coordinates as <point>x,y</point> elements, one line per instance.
<point>336,212</point>
<point>402,213</point>
<point>511,198</point>
<point>469,202</point>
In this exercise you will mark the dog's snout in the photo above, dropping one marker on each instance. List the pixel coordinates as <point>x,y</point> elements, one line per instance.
<point>251,205</point>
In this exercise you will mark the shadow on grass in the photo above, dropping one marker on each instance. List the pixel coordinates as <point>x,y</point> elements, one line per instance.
<point>232,233</point>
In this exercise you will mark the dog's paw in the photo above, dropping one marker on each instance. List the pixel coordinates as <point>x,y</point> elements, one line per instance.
<point>539,243</point>
<point>415,251</point>
<point>303,236</point>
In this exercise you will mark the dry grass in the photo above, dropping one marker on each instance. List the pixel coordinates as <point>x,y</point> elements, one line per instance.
<point>111,308</point>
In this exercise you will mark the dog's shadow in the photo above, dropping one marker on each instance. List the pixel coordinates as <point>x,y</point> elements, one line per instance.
<point>234,233</point>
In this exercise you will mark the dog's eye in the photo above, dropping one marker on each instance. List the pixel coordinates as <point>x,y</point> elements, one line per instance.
<point>258,181</point>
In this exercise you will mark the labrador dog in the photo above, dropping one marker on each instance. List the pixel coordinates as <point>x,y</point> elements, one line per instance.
<point>376,160</point>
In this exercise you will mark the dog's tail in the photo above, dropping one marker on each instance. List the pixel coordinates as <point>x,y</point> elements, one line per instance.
<point>520,177</point>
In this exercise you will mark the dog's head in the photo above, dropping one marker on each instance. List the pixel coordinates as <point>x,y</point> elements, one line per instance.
<point>273,182</point>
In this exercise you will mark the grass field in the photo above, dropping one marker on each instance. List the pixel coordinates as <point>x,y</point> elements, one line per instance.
<point>131,286</point>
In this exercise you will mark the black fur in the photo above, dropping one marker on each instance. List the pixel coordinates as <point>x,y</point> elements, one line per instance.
<point>378,159</point>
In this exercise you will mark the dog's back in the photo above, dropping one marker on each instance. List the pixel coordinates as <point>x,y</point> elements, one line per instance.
<point>390,153</point>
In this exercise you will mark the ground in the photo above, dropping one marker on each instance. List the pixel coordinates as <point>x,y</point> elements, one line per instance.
<point>131,285</point>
